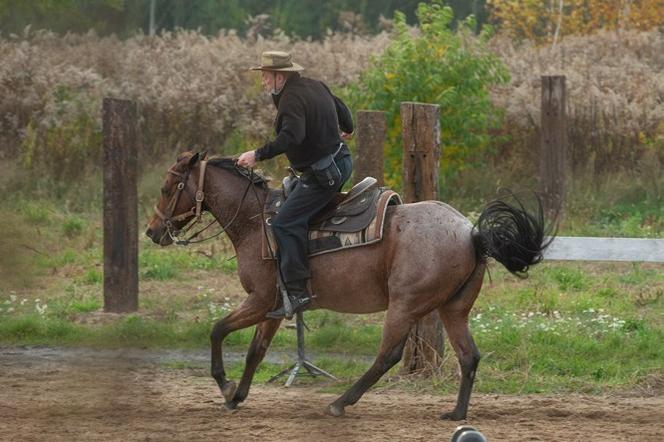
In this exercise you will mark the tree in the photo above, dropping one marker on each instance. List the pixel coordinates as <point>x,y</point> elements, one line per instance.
<point>304,18</point>
<point>542,20</point>
<point>437,65</point>
<point>105,16</point>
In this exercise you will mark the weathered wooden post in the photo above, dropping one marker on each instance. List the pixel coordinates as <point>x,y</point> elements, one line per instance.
<point>120,206</point>
<point>553,145</point>
<point>371,133</point>
<point>421,156</point>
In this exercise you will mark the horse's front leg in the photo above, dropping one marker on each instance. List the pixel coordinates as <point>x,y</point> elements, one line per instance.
<point>265,331</point>
<point>249,313</point>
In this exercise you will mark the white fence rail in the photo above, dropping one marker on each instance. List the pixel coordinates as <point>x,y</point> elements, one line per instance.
<point>569,248</point>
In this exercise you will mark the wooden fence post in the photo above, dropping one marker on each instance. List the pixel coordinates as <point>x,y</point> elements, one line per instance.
<point>421,156</point>
<point>371,133</point>
<point>120,206</point>
<point>553,145</point>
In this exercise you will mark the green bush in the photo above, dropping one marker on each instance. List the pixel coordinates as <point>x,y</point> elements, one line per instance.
<point>440,66</point>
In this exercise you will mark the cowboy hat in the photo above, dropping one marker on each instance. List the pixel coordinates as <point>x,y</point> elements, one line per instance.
<point>277,61</point>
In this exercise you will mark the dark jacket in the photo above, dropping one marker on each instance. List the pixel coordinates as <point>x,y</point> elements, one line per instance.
<point>307,123</point>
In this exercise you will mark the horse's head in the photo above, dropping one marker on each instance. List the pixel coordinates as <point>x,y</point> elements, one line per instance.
<point>177,204</point>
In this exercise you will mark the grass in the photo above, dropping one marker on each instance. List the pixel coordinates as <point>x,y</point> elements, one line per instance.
<point>584,328</point>
<point>619,205</point>
<point>590,327</point>
<point>588,352</point>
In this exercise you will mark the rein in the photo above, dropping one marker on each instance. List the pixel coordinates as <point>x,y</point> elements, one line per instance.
<point>196,211</point>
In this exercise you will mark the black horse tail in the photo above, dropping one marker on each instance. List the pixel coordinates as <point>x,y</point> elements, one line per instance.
<point>512,235</point>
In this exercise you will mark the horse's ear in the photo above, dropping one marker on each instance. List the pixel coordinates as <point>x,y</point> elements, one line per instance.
<point>194,159</point>
<point>203,155</point>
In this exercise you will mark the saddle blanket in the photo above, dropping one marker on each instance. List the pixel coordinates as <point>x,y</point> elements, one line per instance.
<point>357,223</point>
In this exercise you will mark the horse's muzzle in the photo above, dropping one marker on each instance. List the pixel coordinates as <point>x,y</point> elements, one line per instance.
<point>159,236</point>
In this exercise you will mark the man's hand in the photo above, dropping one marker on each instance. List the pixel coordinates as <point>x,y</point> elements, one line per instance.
<point>247,159</point>
<point>345,136</point>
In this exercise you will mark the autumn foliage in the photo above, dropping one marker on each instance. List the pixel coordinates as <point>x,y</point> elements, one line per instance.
<point>550,19</point>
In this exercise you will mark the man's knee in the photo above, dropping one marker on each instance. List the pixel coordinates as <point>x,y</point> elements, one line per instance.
<point>278,223</point>
<point>284,224</point>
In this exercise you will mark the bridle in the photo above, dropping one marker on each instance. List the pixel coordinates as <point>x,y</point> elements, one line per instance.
<point>196,211</point>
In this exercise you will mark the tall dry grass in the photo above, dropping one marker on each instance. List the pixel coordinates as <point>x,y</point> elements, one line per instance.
<point>195,91</point>
<point>615,99</point>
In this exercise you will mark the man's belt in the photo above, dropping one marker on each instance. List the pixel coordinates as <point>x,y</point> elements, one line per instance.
<point>335,155</point>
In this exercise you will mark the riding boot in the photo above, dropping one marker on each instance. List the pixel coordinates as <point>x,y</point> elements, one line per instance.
<point>299,297</point>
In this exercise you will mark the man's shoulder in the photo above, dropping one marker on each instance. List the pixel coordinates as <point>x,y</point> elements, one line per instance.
<point>301,90</point>
<point>306,83</point>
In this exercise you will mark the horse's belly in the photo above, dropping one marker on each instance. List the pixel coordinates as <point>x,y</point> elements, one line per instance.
<point>351,281</point>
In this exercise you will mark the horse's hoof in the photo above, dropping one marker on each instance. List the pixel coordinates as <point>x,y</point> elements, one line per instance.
<point>335,410</point>
<point>230,407</point>
<point>452,416</point>
<point>228,391</point>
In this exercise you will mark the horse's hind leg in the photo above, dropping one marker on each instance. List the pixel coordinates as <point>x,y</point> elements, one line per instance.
<point>454,315</point>
<point>249,313</point>
<point>265,331</point>
<point>395,333</point>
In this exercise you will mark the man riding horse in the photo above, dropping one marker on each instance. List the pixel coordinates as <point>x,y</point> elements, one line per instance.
<point>310,125</point>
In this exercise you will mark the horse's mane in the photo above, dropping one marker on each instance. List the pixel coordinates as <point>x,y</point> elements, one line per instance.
<point>230,164</point>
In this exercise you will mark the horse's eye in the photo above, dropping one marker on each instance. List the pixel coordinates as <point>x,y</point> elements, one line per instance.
<point>164,191</point>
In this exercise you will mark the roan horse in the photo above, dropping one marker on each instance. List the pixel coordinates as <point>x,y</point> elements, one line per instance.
<point>431,258</point>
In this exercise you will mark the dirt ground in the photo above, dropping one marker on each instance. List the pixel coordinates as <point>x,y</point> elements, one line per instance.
<point>47,394</point>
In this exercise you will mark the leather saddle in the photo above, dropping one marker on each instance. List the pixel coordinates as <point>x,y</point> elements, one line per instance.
<point>352,219</point>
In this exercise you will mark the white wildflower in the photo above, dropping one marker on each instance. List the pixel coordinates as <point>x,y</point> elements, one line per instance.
<point>41,309</point>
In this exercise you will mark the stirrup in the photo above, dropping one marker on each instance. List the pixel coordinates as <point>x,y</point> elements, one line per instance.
<point>299,305</point>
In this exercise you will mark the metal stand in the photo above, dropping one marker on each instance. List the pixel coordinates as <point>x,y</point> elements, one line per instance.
<point>301,360</point>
